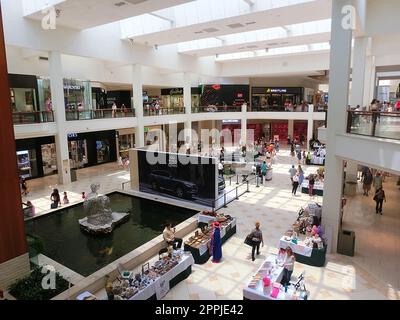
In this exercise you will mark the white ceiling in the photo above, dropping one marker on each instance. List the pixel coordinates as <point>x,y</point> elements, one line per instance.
<point>254,20</point>
<point>84,14</point>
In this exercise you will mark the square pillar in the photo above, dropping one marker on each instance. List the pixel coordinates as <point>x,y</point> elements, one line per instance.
<point>57,95</point>
<point>340,57</point>
<point>137,88</point>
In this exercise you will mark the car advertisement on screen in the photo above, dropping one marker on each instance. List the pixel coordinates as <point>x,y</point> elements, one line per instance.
<point>185,177</point>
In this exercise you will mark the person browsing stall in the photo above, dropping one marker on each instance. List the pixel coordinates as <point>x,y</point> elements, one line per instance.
<point>169,237</point>
<point>288,266</point>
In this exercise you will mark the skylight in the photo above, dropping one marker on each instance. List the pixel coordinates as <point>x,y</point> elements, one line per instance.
<point>273,52</point>
<point>263,35</point>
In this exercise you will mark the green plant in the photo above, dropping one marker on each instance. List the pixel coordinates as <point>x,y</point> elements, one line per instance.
<point>30,287</point>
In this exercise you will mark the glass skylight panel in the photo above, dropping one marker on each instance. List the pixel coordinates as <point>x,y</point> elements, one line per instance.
<point>299,29</point>
<point>275,51</point>
<point>200,11</point>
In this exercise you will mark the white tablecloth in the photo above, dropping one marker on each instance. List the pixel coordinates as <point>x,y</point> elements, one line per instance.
<point>149,291</point>
<point>317,186</point>
<point>298,248</point>
<point>205,219</point>
<point>257,293</point>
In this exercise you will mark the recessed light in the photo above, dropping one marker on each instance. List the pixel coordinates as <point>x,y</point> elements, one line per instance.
<point>120,4</point>
<point>251,22</point>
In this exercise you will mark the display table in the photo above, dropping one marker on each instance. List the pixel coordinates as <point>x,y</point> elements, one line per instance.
<point>160,287</point>
<point>201,253</point>
<point>304,254</point>
<point>318,188</point>
<point>317,160</point>
<point>258,292</point>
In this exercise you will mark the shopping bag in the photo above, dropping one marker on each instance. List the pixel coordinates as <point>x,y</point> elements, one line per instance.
<point>248,241</point>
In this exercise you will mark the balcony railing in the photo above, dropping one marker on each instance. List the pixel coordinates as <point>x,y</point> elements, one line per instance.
<point>162,111</point>
<point>374,124</point>
<point>72,115</point>
<point>276,109</point>
<point>213,108</point>
<point>33,117</point>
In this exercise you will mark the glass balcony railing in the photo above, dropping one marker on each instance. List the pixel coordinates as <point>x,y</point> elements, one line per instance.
<point>277,108</point>
<point>162,111</point>
<point>33,117</point>
<point>73,115</point>
<point>213,108</point>
<point>374,124</point>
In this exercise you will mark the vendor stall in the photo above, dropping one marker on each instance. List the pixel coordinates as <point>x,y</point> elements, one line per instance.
<point>305,251</point>
<point>265,284</point>
<point>318,188</point>
<point>198,245</point>
<point>153,283</point>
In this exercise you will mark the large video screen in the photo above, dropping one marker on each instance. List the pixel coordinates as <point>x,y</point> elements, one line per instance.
<point>186,177</point>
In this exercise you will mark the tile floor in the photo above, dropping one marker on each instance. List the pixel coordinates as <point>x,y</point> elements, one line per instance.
<point>371,274</point>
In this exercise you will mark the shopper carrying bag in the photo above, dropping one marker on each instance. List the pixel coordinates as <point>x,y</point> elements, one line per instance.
<point>256,239</point>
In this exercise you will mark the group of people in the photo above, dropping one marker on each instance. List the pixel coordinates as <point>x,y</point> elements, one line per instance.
<point>369,180</point>
<point>55,198</point>
<point>114,109</point>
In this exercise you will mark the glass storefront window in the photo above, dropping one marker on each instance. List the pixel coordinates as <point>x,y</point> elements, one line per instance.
<point>45,102</point>
<point>27,163</point>
<point>103,151</point>
<point>78,153</point>
<point>49,157</point>
<point>23,100</point>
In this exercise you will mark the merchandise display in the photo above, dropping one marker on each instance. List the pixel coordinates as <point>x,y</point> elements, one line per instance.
<point>306,237</point>
<point>318,188</point>
<point>265,284</point>
<point>199,243</point>
<point>154,282</point>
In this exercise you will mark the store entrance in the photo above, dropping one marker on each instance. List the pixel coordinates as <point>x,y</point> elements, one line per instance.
<point>78,153</point>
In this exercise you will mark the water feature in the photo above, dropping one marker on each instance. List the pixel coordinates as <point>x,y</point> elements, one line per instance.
<point>63,240</point>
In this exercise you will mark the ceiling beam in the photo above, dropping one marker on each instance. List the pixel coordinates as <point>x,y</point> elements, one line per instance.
<point>249,2</point>
<point>162,18</point>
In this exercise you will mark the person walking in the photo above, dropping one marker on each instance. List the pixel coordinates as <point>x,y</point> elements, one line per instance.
<point>292,172</point>
<point>378,181</point>
<point>311,182</point>
<point>24,187</point>
<point>257,239</point>
<point>288,267</point>
<point>263,172</point>
<point>221,169</point>
<point>301,175</point>
<point>299,156</point>
<point>114,110</point>
<point>367,179</point>
<point>295,184</point>
<point>379,197</point>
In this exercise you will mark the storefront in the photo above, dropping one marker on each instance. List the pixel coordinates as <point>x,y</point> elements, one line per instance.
<point>126,141</point>
<point>280,128</point>
<point>273,99</point>
<point>92,148</point>
<point>36,157</point>
<point>24,93</point>
<point>172,98</point>
<point>121,97</point>
<point>224,95</point>
<point>77,95</point>
<point>99,98</point>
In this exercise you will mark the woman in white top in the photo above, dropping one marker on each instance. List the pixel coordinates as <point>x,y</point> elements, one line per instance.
<point>288,266</point>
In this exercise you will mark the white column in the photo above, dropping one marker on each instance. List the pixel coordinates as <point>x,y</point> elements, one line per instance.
<point>187,93</point>
<point>358,73</point>
<point>243,120</point>
<point>137,87</point>
<point>57,95</point>
<point>338,100</point>
<point>370,81</point>
<point>291,128</point>
<point>310,132</point>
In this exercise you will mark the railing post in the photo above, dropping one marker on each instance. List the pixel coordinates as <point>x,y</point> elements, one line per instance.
<point>237,197</point>
<point>225,200</point>
<point>349,121</point>
<point>257,186</point>
<point>237,179</point>
<point>374,121</point>
<point>230,181</point>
